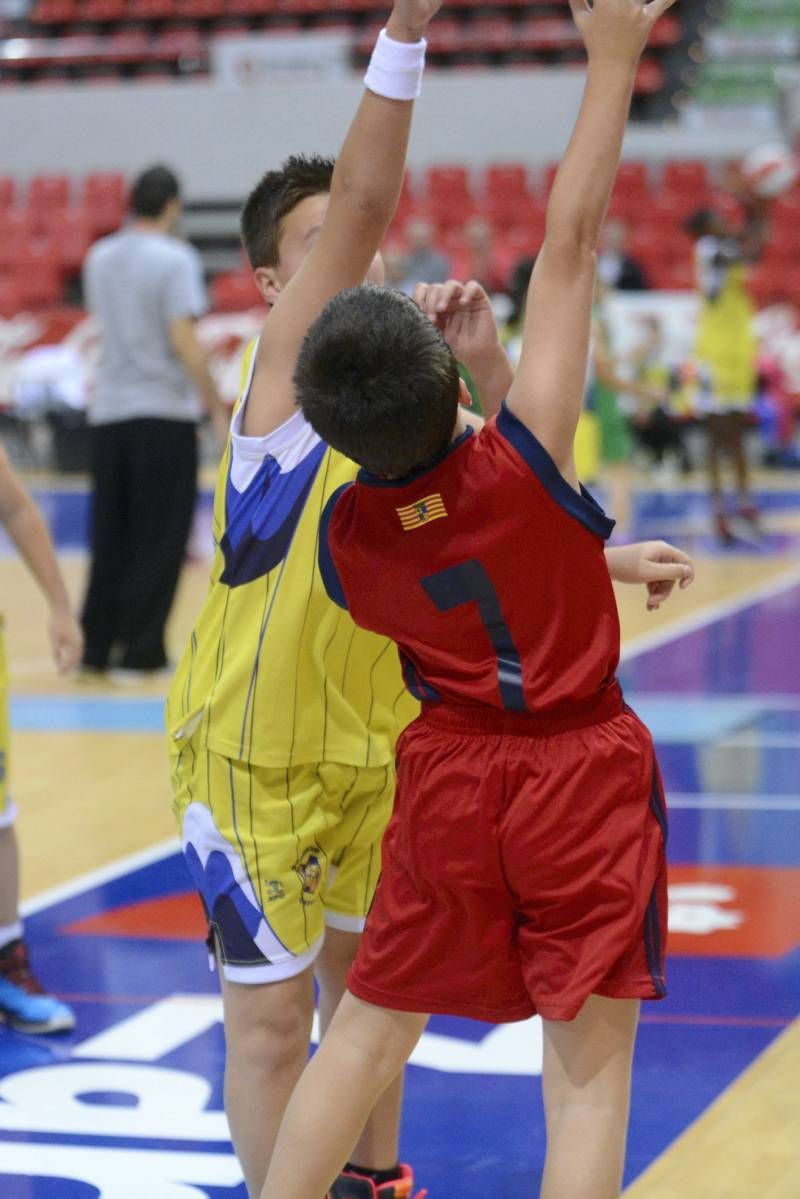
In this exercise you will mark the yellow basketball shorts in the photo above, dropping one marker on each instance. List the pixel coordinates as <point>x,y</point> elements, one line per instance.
<point>279,854</point>
<point>7,809</point>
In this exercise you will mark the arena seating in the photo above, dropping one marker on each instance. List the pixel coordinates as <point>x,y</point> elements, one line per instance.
<point>93,40</point>
<point>48,224</point>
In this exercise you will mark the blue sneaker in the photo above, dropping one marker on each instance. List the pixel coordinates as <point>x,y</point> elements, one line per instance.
<point>23,1003</point>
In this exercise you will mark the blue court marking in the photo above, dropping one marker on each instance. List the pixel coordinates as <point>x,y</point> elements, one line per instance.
<point>694,720</point>
<point>86,714</point>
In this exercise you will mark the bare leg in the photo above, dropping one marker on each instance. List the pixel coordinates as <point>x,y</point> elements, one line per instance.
<point>377,1147</point>
<point>586,1083</point>
<point>368,1047</point>
<point>714,459</point>
<point>267,1035</point>
<point>9,877</point>
<point>738,430</point>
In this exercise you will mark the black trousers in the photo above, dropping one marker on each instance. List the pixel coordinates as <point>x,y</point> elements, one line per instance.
<point>145,486</point>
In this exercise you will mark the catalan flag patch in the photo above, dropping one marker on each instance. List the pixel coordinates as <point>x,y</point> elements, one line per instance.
<point>422,512</point>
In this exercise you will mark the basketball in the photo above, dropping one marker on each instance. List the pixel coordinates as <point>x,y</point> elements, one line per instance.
<point>770,170</point>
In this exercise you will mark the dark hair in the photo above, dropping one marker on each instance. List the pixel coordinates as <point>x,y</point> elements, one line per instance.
<point>377,381</point>
<point>518,285</point>
<point>272,199</point>
<point>702,222</point>
<point>153,190</point>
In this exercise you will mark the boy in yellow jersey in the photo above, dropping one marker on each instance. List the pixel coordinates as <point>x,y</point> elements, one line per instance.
<point>283,716</point>
<point>23,1003</point>
<point>727,348</point>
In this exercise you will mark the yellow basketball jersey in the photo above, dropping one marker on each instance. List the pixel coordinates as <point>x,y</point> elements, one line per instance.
<point>274,673</point>
<point>726,343</point>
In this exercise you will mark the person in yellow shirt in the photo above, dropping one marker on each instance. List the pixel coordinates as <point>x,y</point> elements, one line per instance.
<point>24,1005</point>
<point>726,348</point>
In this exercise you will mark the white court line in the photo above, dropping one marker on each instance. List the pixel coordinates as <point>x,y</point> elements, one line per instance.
<point>733,803</point>
<point>96,878</point>
<point>706,615</point>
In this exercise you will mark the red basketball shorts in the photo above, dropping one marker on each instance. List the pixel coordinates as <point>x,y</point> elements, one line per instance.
<point>521,873</point>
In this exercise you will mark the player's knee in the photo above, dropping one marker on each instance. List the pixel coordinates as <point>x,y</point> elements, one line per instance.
<point>335,959</point>
<point>269,1029</point>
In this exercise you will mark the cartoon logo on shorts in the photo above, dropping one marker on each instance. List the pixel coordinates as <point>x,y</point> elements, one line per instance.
<point>309,870</point>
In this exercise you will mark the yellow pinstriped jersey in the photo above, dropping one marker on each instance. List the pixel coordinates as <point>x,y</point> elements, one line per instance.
<point>274,672</point>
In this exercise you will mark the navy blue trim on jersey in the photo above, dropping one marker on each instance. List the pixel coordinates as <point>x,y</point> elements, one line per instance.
<point>376,481</point>
<point>416,684</point>
<point>652,945</point>
<point>583,507</point>
<point>658,807</point>
<point>330,575</point>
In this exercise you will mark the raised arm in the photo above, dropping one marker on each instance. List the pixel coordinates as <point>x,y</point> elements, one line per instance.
<point>548,391</point>
<point>364,192</point>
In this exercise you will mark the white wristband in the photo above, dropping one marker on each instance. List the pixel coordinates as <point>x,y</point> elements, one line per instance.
<point>395,69</point>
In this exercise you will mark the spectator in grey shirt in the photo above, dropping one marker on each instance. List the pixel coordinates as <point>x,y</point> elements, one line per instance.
<point>144,288</point>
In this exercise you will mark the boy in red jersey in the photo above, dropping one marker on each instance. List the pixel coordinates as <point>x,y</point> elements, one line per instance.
<point>524,866</point>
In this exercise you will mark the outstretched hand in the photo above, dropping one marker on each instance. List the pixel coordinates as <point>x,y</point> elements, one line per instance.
<point>410,19</point>
<point>464,315</point>
<point>656,564</point>
<point>616,30</point>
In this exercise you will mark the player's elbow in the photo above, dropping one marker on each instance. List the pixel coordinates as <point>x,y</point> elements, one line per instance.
<point>369,203</point>
<point>570,252</point>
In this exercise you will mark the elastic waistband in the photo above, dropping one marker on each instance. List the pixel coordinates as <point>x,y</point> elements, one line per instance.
<point>581,714</point>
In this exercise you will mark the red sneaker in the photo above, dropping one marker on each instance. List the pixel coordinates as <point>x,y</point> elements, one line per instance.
<point>24,1004</point>
<point>751,514</point>
<point>356,1186</point>
<point>724,531</point>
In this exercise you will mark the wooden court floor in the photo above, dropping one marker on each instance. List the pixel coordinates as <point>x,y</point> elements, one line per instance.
<point>87,800</point>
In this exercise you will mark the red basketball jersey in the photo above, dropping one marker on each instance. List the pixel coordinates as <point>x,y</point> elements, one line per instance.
<point>487,570</point>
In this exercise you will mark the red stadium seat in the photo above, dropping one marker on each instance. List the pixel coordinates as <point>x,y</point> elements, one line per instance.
<point>48,194</point>
<point>773,283</point>
<point>507,211</point>
<point>201,10</point>
<point>10,297</point>
<point>150,10</point>
<point>234,292</point>
<point>505,179</point>
<point>488,35</point>
<point>39,284</point>
<point>14,234</point>
<point>691,177</point>
<point>55,12</point>
<point>103,12</point>
<point>104,201</point>
<point>650,77</point>
<point>666,32</point>
<point>632,179</point>
<point>783,244</point>
<point>544,33</point>
<point>8,191</point>
<point>72,236</point>
<point>253,8</point>
<point>447,184</point>
<point>444,37</point>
